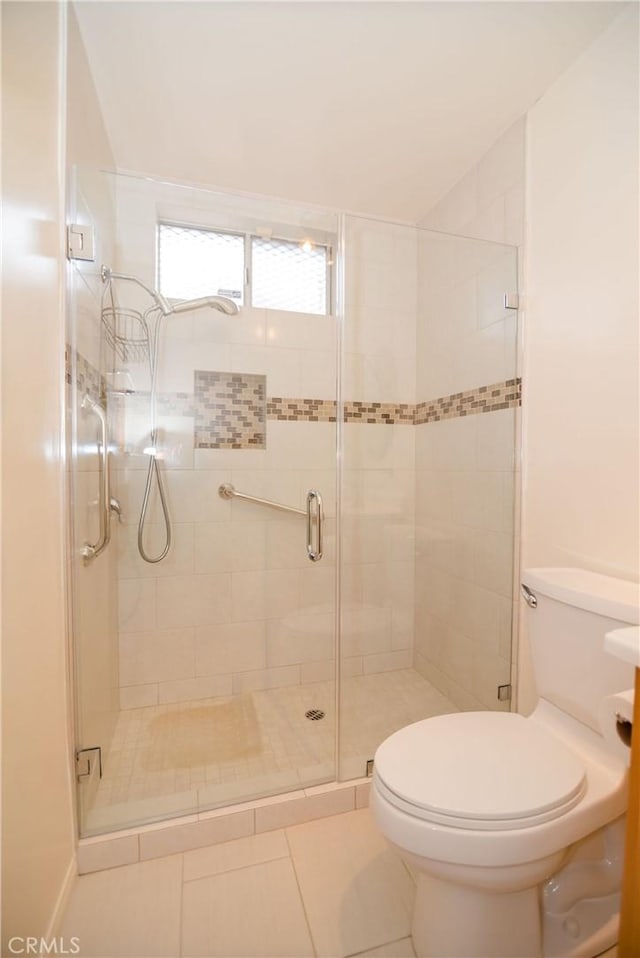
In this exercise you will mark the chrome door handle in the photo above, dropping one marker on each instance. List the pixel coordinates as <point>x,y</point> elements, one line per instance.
<point>314,554</point>
<point>91,550</point>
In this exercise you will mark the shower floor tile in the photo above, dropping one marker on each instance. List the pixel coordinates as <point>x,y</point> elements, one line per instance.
<point>191,756</point>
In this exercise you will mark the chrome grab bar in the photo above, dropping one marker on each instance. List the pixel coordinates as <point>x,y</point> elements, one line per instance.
<point>228,491</point>
<point>90,551</point>
<point>314,496</point>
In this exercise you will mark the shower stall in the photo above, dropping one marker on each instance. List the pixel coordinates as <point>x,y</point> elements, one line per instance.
<point>292,464</point>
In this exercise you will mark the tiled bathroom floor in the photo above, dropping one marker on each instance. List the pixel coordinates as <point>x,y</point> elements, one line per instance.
<point>175,759</point>
<point>330,887</point>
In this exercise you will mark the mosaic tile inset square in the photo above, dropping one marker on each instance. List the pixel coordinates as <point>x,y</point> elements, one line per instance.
<point>230,410</point>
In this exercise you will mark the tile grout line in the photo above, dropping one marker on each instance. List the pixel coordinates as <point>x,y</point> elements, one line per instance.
<point>234,868</point>
<point>299,887</point>
<point>181,917</point>
<point>408,871</point>
<point>384,944</point>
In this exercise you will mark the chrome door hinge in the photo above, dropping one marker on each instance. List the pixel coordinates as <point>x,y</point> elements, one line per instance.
<point>80,242</point>
<point>504,693</point>
<point>511,301</point>
<point>529,597</point>
<point>86,762</point>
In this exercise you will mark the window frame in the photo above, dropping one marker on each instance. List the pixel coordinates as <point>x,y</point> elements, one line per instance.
<point>248,237</point>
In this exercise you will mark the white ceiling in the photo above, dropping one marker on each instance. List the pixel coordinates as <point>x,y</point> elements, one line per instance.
<point>370,107</point>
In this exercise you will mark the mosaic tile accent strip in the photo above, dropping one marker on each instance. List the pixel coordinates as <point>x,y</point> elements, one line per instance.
<point>481,399</point>
<point>382,413</point>
<point>230,410</point>
<point>301,410</point>
<point>88,379</point>
<point>504,395</point>
<point>324,410</point>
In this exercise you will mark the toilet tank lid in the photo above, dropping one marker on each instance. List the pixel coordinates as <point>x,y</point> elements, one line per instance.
<point>602,594</point>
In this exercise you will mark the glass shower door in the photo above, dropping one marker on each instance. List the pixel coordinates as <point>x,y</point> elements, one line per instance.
<point>93,597</point>
<point>431,399</point>
<point>225,646</point>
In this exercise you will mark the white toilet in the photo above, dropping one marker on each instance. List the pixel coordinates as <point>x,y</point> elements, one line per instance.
<point>513,825</point>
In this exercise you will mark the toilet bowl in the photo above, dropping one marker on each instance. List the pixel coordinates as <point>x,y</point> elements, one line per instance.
<point>487,817</point>
<point>512,825</point>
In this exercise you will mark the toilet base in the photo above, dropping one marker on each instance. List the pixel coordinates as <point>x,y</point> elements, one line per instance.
<point>456,921</point>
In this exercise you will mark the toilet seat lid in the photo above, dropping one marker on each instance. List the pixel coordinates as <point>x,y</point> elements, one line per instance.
<point>481,770</point>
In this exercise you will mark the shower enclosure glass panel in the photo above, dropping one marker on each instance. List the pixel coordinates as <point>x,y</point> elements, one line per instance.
<point>209,677</point>
<point>93,585</point>
<point>219,672</point>
<point>431,396</point>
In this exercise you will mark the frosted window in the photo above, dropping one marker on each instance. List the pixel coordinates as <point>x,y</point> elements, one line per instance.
<point>194,262</point>
<point>287,275</point>
<point>284,274</point>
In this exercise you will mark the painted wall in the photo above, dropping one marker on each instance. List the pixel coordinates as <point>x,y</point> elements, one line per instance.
<point>580,504</point>
<point>38,840</point>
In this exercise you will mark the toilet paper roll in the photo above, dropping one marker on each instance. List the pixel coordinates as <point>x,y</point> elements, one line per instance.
<point>616,722</point>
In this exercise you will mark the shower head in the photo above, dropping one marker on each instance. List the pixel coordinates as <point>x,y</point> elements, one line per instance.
<point>220,303</point>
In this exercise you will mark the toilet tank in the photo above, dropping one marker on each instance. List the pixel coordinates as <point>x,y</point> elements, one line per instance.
<point>573,610</point>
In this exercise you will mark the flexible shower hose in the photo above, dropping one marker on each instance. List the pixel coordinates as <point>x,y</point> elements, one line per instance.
<point>153,471</point>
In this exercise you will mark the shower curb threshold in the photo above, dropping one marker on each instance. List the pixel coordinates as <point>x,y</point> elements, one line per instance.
<point>175,835</point>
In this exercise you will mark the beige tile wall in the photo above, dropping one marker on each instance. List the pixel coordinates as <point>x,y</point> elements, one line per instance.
<point>225,611</point>
<point>464,555</point>
<point>465,466</point>
<point>238,574</point>
<point>488,202</point>
<point>377,579</point>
